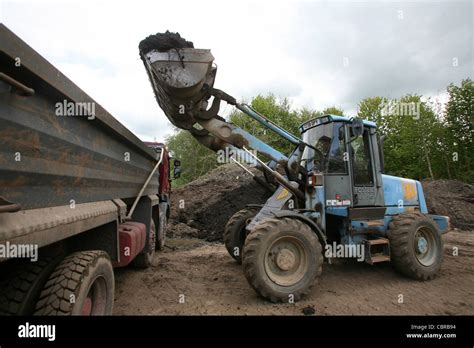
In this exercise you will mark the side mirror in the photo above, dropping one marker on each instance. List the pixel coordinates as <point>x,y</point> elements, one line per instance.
<point>176,169</point>
<point>357,127</point>
<point>341,133</point>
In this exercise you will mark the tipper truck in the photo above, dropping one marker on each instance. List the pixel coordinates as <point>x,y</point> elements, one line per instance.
<point>79,193</point>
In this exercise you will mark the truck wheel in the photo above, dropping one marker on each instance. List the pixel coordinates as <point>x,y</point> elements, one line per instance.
<point>145,258</point>
<point>416,246</point>
<point>82,284</point>
<point>22,285</point>
<point>235,233</point>
<point>282,259</point>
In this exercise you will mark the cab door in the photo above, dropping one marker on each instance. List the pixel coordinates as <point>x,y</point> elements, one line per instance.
<point>362,169</point>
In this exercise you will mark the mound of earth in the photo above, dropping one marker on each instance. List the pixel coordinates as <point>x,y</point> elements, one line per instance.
<point>202,208</point>
<point>452,198</point>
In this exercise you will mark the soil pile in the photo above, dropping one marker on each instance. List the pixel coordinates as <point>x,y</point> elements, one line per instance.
<point>452,198</point>
<point>163,42</point>
<point>202,208</point>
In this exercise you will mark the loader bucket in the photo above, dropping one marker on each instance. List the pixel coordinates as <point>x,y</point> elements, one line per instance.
<point>182,72</point>
<point>178,76</point>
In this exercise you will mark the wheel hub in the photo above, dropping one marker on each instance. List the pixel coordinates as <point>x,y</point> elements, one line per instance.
<point>285,259</point>
<point>425,246</point>
<point>87,307</point>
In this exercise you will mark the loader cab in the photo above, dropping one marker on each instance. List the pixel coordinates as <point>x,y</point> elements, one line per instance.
<point>346,152</point>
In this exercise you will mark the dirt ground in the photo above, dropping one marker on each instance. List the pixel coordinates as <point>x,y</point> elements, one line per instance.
<point>212,283</point>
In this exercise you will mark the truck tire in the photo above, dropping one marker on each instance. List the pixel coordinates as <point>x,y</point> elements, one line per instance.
<point>145,258</point>
<point>82,284</point>
<point>416,246</point>
<point>282,259</point>
<point>22,285</point>
<point>235,233</point>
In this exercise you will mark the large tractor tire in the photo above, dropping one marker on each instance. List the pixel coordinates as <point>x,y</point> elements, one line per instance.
<point>235,232</point>
<point>21,286</point>
<point>145,258</point>
<point>282,259</point>
<point>416,246</point>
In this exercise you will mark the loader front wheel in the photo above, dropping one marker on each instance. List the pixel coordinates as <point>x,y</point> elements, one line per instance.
<point>416,246</point>
<point>235,232</point>
<point>282,259</point>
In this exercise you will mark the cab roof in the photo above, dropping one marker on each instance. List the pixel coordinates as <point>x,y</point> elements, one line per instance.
<point>331,118</point>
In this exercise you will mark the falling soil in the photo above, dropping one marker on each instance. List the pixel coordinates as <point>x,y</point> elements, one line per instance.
<point>163,42</point>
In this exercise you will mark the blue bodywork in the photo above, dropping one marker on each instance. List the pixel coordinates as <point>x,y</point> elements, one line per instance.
<point>404,195</point>
<point>400,195</point>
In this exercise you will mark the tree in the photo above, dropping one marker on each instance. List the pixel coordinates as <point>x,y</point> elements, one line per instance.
<point>279,111</point>
<point>459,116</point>
<point>333,110</point>
<point>196,159</point>
<point>412,133</point>
<point>371,109</point>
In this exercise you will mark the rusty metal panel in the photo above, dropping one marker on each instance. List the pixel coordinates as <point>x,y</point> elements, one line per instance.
<point>47,225</point>
<point>48,160</point>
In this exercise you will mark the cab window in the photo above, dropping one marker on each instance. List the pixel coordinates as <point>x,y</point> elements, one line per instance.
<point>336,162</point>
<point>360,153</point>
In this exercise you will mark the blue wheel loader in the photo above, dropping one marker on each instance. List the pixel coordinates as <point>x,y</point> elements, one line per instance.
<point>330,197</point>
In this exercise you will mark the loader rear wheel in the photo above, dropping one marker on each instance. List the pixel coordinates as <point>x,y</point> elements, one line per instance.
<point>145,258</point>
<point>82,284</point>
<point>235,232</point>
<point>282,259</point>
<point>416,246</point>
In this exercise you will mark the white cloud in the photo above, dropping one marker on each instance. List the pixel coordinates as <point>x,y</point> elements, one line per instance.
<point>290,48</point>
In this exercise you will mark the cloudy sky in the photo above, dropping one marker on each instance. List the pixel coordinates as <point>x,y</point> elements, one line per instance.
<point>317,53</point>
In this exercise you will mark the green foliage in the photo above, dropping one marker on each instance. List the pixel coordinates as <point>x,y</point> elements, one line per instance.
<point>425,143</point>
<point>278,111</point>
<point>196,159</point>
<point>459,129</point>
<point>333,110</point>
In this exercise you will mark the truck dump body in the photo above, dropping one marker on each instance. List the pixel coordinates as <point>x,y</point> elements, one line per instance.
<point>48,158</point>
